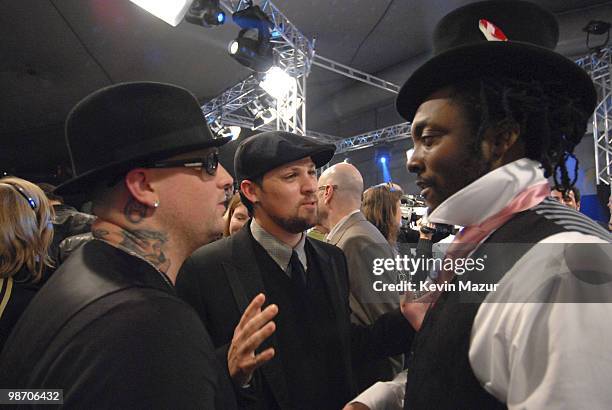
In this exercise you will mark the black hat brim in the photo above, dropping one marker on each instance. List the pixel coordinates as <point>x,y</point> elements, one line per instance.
<point>516,60</point>
<point>87,181</point>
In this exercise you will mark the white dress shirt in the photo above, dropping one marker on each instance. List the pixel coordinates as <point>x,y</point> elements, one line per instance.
<point>532,355</point>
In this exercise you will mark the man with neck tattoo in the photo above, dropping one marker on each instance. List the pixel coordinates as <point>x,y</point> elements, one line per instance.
<point>108,328</point>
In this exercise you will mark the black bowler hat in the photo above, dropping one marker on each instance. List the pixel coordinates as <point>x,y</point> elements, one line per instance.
<point>263,152</point>
<point>513,39</point>
<point>126,125</point>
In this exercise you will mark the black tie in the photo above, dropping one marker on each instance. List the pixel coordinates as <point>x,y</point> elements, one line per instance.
<point>298,275</point>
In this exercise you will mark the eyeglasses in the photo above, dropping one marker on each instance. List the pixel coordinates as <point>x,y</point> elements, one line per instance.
<point>324,187</point>
<point>209,163</point>
<point>31,201</point>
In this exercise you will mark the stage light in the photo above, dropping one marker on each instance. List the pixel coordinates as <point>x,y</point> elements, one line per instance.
<point>254,53</point>
<point>205,13</point>
<point>278,83</point>
<point>383,160</point>
<point>170,11</point>
<point>235,131</point>
<point>252,47</point>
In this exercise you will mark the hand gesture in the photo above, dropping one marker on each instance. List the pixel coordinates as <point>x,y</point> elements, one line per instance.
<point>255,326</point>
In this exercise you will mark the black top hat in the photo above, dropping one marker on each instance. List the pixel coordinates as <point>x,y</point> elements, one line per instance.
<point>513,39</point>
<point>263,152</point>
<point>126,125</point>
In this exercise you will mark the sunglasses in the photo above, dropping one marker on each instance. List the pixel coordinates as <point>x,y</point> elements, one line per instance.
<point>208,163</point>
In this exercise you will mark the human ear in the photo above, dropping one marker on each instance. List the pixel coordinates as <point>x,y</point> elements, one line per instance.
<point>138,184</point>
<point>501,144</point>
<point>249,190</point>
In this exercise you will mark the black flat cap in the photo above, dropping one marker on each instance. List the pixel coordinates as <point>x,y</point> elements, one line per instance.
<point>263,152</point>
<point>123,126</point>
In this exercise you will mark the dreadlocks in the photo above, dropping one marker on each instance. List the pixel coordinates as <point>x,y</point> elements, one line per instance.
<point>550,123</point>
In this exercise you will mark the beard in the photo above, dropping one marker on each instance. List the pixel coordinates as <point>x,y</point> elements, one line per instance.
<point>294,224</point>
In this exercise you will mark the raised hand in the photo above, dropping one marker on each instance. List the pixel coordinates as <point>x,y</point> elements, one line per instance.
<point>255,326</point>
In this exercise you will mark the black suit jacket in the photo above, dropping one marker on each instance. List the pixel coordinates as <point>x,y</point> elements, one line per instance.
<point>220,279</point>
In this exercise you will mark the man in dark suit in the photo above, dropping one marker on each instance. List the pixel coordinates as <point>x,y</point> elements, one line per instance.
<point>339,194</point>
<point>314,344</point>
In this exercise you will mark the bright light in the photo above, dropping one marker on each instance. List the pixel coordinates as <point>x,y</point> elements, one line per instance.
<point>278,83</point>
<point>233,48</point>
<point>171,11</point>
<point>383,160</point>
<point>220,17</point>
<point>235,132</point>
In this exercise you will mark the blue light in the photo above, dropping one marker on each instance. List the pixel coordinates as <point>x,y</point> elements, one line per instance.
<point>220,17</point>
<point>383,160</point>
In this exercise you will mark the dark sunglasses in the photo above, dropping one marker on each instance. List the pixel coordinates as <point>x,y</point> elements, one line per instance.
<point>23,193</point>
<point>208,163</point>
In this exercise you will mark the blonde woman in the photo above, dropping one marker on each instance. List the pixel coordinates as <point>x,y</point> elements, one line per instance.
<point>26,234</point>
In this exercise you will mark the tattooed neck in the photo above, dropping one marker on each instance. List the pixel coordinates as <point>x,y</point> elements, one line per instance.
<point>148,244</point>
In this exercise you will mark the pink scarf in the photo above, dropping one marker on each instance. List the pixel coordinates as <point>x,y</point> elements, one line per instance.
<point>467,240</point>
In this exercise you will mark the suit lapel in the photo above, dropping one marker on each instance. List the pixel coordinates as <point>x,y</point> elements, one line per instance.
<point>245,279</point>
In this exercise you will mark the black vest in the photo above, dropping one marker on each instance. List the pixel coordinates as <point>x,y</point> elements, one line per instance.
<point>439,372</point>
<point>308,340</point>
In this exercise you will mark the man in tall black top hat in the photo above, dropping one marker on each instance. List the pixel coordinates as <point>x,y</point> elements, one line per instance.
<point>494,113</point>
<point>314,344</point>
<point>108,328</point>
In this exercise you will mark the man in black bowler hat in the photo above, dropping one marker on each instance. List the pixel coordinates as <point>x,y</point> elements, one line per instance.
<point>494,113</point>
<point>108,328</point>
<point>314,343</point>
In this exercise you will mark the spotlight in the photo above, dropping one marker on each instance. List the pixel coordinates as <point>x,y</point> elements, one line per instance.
<point>383,160</point>
<point>235,131</point>
<point>172,12</point>
<point>254,53</point>
<point>205,13</point>
<point>597,28</point>
<point>264,117</point>
<point>278,83</point>
<point>252,47</point>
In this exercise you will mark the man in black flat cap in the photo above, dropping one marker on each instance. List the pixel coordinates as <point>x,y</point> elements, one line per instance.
<point>493,114</point>
<point>314,343</point>
<point>108,328</point>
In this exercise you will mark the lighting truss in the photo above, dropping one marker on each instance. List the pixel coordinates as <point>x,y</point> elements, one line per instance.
<point>388,134</point>
<point>599,67</point>
<point>355,74</point>
<point>293,53</point>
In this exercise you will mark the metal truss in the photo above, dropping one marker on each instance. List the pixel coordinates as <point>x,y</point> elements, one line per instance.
<point>293,52</point>
<point>388,134</point>
<point>599,67</point>
<point>355,74</point>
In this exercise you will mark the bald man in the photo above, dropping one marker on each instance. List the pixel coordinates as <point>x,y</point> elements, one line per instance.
<point>339,194</point>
